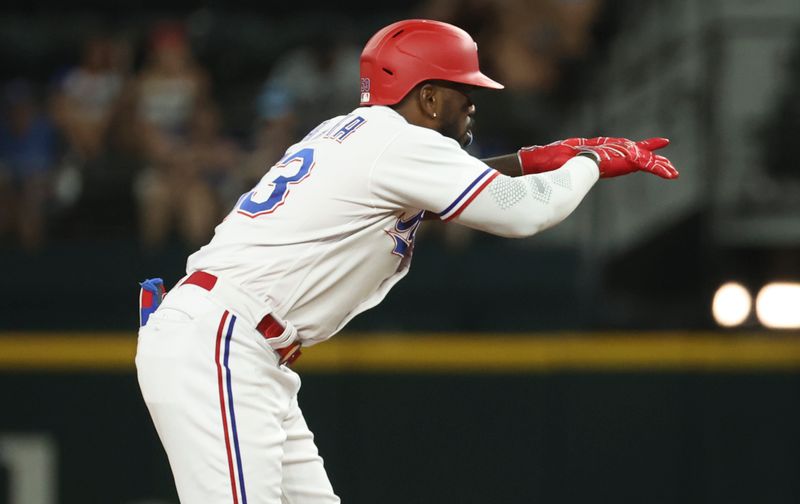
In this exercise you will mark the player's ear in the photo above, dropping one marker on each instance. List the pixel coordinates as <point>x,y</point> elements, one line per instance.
<point>429,100</point>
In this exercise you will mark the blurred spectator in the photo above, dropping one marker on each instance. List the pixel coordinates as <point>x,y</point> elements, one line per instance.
<point>88,96</point>
<point>169,88</point>
<point>306,86</point>
<point>194,187</point>
<point>27,157</point>
<point>275,131</point>
<point>210,166</point>
<point>319,80</point>
<point>524,42</point>
<point>168,93</point>
<point>87,108</point>
<point>576,19</point>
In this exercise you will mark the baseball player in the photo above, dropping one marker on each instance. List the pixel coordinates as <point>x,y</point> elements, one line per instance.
<point>322,237</point>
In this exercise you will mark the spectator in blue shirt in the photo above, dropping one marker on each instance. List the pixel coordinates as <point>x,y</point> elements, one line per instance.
<point>27,158</point>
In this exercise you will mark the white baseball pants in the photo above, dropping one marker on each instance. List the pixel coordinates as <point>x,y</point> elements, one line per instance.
<point>224,410</point>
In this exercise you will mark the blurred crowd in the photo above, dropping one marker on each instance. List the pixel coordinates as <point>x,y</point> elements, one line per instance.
<point>143,145</point>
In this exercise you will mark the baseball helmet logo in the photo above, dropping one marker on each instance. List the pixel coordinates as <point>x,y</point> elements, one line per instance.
<point>364,89</point>
<point>405,53</point>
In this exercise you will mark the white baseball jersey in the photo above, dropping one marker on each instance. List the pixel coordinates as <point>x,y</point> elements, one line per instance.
<point>330,228</point>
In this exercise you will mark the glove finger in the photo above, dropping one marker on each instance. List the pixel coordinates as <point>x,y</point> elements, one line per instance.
<point>663,168</point>
<point>603,140</point>
<point>572,142</point>
<point>618,150</point>
<point>652,144</point>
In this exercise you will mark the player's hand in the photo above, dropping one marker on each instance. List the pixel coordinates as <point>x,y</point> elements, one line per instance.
<point>543,158</point>
<point>624,156</point>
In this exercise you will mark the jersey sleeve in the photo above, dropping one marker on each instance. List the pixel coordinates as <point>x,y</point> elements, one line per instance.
<point>425,170</point>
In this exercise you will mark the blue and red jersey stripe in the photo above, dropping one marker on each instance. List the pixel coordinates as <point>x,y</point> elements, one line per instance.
<point>470,193</point>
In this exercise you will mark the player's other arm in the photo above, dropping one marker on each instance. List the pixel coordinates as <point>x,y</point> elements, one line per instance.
<point>543,197</point>
<point>639,156</point>
<point>507,165</point>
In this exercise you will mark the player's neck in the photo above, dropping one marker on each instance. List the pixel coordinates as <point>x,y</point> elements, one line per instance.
<point>411,112</point>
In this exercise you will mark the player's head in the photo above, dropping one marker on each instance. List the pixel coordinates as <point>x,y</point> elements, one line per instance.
<point>430,62</point>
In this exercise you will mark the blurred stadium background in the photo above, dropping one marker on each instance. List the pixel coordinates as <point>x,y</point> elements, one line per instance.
<point>598,362</point>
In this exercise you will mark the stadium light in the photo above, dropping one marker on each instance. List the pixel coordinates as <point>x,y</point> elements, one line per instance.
<point>778,305</point>
<point>731,305</point>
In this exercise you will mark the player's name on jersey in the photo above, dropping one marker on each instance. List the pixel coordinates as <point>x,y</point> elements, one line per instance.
<point>336,130</point>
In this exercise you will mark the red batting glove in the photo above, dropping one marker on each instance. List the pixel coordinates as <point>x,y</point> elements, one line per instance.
<point>623,157</point>
<point>544,158</point>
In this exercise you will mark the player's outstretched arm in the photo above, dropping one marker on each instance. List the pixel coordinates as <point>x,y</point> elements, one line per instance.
<point>523,206</point>
<point>619,156</point>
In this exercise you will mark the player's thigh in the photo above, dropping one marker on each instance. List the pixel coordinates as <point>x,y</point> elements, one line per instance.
<point>216,401</point>
<point>305,480</point>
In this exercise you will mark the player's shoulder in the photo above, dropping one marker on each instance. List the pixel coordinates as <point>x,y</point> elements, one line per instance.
<point>423,143</point>
<point>384,120</point>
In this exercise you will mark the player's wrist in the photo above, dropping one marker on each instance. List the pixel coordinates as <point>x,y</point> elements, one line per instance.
<point>536,159</point>
<point>591,155</point>
<point>521,163</point>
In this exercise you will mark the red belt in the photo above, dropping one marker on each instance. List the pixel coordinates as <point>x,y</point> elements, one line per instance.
<point>269,326</point>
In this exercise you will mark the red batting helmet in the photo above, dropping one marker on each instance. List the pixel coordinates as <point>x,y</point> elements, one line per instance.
<point>405,53</point>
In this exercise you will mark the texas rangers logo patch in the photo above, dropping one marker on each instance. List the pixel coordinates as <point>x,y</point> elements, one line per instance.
<point>403,234</point>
